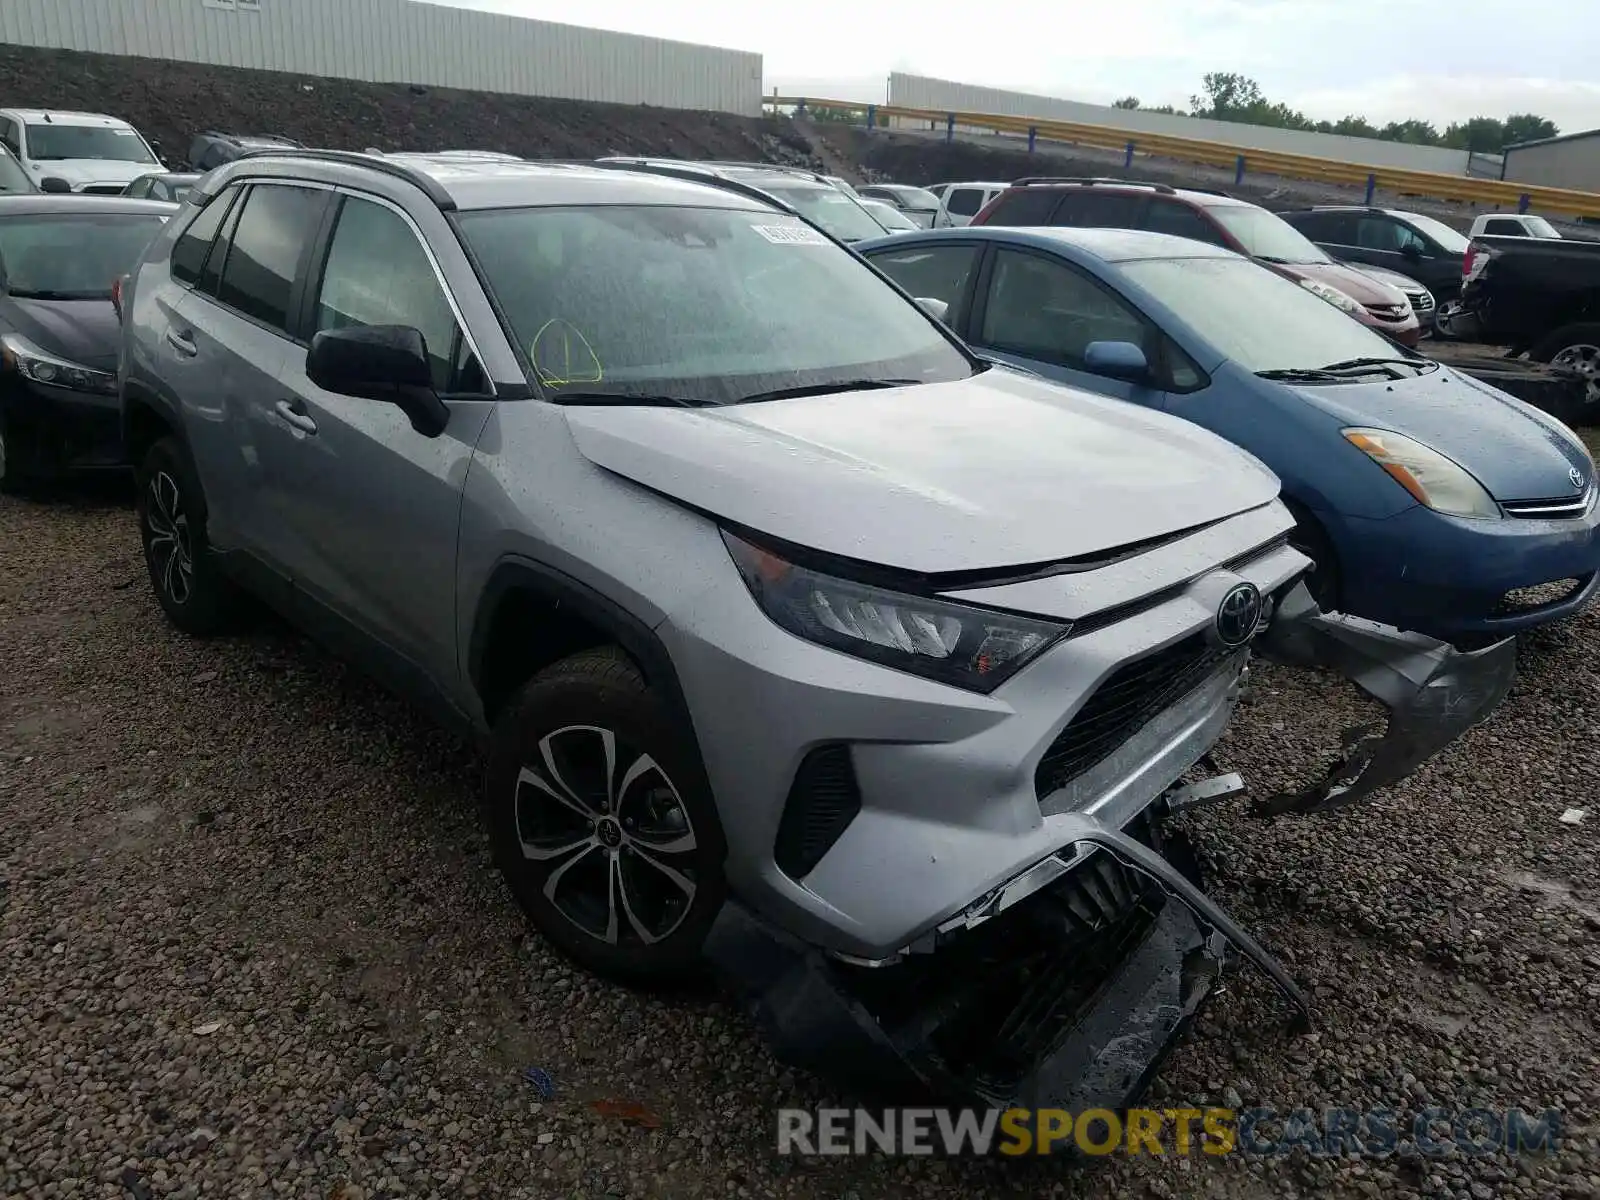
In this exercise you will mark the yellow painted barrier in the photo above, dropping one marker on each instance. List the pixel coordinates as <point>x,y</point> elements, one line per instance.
<point>1459,188</point>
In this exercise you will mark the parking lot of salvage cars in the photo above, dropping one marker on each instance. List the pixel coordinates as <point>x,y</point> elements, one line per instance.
<point>250,939</point>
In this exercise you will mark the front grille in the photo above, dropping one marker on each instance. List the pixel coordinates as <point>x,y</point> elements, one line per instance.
<point>1543,595</point>
<point>1389,312</point>
<point>823,800</point>
<point>1553,509</point>
<point>1122,705</point>
<point>1421,302</point>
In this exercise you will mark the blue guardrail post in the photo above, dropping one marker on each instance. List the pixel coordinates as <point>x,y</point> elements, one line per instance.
<point>1523,202</point>
<point>1127,158</point>
<point>1372,187</point>
<point>950,127</point>
<point>1033,136</point>
<point>1238,169</point>
<point>872,116</point>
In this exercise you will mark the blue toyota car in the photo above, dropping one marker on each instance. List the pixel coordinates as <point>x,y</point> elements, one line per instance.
<point>1428,500</point>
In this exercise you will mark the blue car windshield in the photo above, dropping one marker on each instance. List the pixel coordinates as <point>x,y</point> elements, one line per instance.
<point>1255,317</point>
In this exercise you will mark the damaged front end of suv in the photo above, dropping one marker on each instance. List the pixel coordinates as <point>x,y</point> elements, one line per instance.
<point>1066,984</point>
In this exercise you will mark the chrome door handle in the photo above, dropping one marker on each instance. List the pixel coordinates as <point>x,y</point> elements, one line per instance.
<point>182,343</point>
<point>296,416</point>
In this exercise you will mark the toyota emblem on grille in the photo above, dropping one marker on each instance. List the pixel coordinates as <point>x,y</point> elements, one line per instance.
<point>1576,476</point>
<point>1239,614</point>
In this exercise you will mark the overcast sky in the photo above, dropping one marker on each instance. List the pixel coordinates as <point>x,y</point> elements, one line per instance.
<point>1442,60</point>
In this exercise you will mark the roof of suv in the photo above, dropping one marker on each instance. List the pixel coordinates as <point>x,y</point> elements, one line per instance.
<point>67,116</point>
<point>1105,243</point>
<point>482,183</point>
<point>1195,196</point>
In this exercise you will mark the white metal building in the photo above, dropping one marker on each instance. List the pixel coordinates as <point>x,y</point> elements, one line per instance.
<point>398,41</point>
<point>917,91</point>
<point>1569,161</point>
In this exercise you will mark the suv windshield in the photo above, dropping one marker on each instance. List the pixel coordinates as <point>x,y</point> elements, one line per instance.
<point>1255,317</point>
<point>1451,241</point>
<point>1266,235</point>
<point>76,257</point>
<point>708,305</point>
<point>48,143</point>
<point>828,207</point>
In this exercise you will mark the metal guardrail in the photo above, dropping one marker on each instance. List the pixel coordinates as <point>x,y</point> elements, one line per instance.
<point>1461,189</point>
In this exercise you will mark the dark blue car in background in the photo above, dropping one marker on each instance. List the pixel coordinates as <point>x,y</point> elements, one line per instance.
<point>1429,500</point>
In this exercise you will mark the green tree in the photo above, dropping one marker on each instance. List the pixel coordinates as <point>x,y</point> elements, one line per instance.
<point>1418,133</point>
<point>1126,102</point>
<point>1227,96</point>
<point>1485,135</point>
<point>1526,127</point>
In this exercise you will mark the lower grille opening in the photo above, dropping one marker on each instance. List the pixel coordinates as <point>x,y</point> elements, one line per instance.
<point>1530,599</point>
<point>103,189</point>
<point>823,800</point>
<point>1123,704</point>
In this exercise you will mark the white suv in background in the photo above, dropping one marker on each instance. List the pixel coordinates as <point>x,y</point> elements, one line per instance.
<point>960,202</point>
<point>90,152</point>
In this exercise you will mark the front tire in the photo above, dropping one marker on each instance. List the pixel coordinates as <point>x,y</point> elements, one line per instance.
<point>12,480</point>
<point>1577,348</point>
<point>189,585</point>
<point>601,823</point>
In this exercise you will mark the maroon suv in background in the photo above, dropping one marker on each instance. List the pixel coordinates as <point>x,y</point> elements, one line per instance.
<point>1213,217</point>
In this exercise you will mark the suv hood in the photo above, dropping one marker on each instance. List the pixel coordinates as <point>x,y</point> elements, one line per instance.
<point>1358,285</point>
<point>81,171</point>
<point>1508,446</point>
<point>997,470</point>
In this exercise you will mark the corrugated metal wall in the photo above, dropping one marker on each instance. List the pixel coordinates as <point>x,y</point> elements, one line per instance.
<point>917,91</point>
<point>1568,162</point>
<point>399,41</point>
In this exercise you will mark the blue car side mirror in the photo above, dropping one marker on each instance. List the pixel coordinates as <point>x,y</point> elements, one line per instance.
<point>1117,360</point>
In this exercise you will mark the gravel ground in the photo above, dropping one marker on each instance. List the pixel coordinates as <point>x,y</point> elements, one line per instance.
<point>251,942</point>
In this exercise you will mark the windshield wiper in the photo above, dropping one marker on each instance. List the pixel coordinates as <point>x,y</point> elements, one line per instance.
<point>824,389</point>
<point>1349,363</point>
<point>625,398</point>
<point>1301,375</point>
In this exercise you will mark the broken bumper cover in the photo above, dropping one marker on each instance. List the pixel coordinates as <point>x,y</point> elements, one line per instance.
<point>1433,692</point>
<point>1071,997</point>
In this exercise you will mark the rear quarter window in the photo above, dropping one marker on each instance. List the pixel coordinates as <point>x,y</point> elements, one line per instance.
<point>1023,206</point>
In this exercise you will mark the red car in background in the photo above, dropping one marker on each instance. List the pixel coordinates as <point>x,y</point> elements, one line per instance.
<point>1212,217</point>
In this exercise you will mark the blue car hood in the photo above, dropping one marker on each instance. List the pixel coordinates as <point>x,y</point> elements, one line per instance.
<point>1513,449</point>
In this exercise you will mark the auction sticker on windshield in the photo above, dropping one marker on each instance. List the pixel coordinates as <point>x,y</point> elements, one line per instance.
<point>791,235</point>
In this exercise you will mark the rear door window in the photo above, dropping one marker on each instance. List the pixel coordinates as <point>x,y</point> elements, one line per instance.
<point>1024,206</point>
<point>1506,227</point>
<point>275,227</point>
<point>1093,210</point>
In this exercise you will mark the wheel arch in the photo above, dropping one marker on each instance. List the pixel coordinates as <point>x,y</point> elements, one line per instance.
<point>530,616</point>
<point>146,419</point>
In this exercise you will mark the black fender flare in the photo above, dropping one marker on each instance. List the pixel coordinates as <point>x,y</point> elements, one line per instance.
<point>638,640</point>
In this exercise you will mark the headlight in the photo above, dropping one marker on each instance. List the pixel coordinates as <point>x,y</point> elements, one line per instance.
<point>1434,480</point>
<point>22,356</point>
<point>969,647</point>
<point>1340,300</point>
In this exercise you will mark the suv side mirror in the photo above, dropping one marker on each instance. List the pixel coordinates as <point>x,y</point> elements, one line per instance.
<point>380,362</point>
<point>1411,251</point>
<point>1116,360</point>
<point>54,184</point>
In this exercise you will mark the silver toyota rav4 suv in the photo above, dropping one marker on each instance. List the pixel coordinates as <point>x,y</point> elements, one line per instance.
<point>799,637</point>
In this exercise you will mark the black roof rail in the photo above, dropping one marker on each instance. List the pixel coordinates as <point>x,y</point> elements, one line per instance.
<point>430,186</point>
<point>1091,180</point>
<point>694,174</point>
<point>737,164</point>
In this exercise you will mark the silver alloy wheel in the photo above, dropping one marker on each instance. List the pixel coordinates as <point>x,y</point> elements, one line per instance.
<point>170,548</point>
<point>603,823</point>
<point>1584,360</point>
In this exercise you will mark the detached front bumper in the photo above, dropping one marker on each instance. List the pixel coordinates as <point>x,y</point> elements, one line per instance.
<point>1068,984</point>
